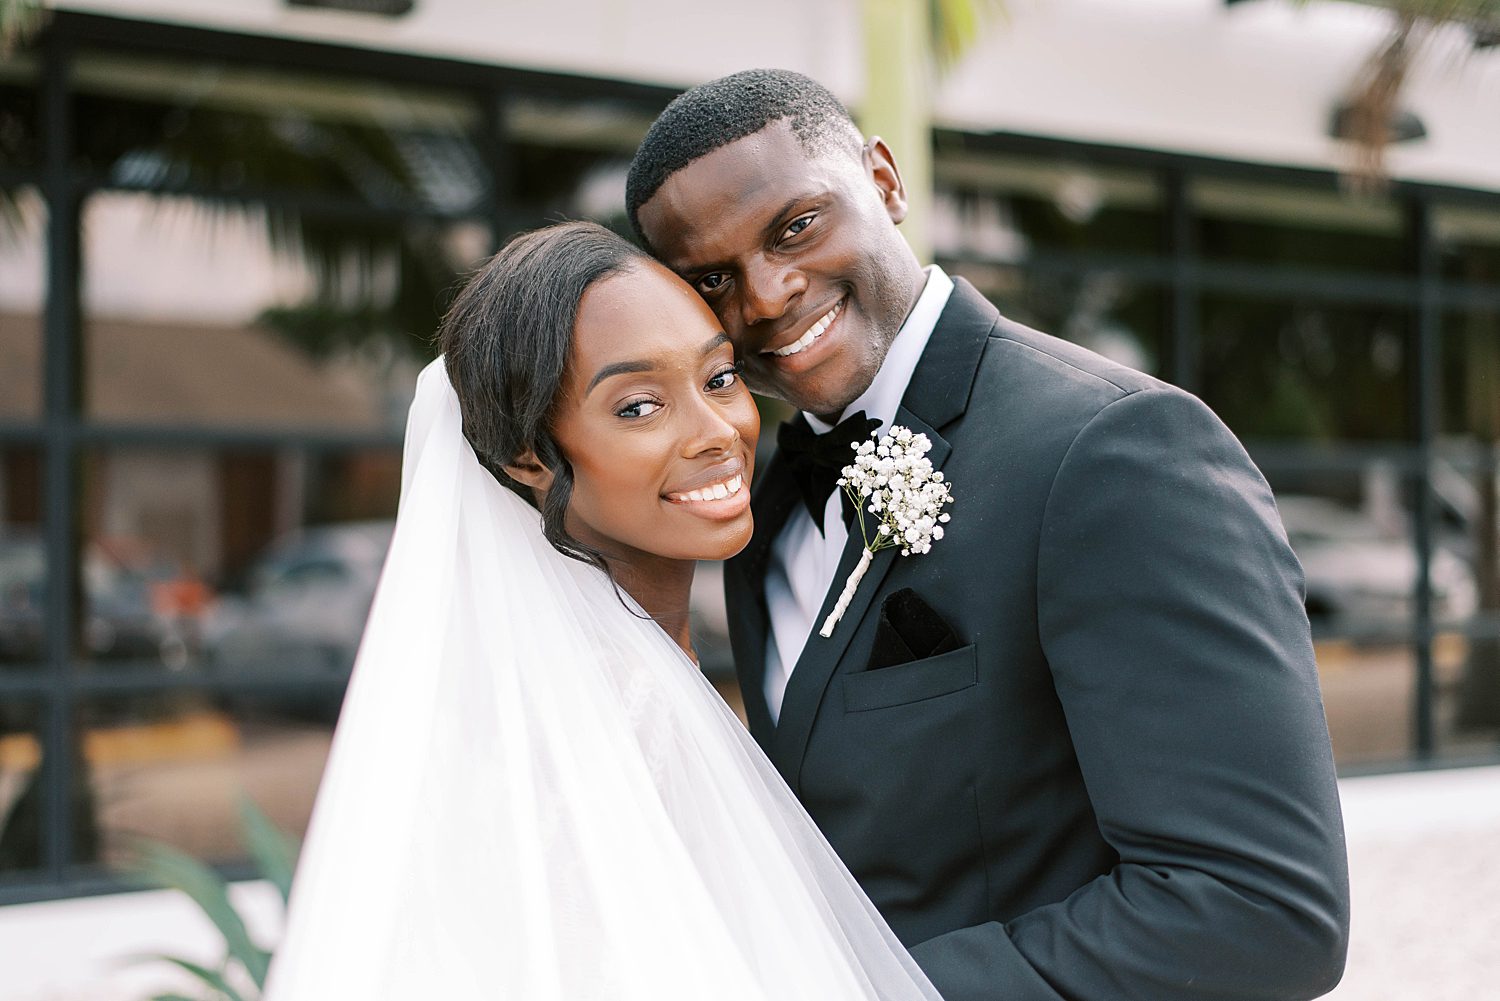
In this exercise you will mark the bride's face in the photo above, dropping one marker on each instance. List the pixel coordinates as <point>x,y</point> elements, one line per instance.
<point>656,423</point>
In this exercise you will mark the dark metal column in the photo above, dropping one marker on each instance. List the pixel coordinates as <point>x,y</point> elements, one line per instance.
<point>500,159</point>
<point>1424,389</point>
<point>1182,364</point>
<point>60,460</point>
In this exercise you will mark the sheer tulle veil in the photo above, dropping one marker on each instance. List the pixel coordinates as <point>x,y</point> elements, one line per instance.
<point>532,794</point>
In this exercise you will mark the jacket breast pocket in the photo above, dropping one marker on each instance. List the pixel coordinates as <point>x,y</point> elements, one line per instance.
<point>914,681</point>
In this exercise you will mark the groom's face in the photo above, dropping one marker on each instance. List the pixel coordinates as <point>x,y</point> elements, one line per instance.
<point>797,254</point>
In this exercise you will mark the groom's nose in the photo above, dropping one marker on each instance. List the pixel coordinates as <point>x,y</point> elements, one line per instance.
<point>767,289</point>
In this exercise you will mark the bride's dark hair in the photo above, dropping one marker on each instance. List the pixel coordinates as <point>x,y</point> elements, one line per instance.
<point>506,341</point>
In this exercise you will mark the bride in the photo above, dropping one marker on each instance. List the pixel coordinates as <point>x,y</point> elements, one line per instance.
<point>533,793</point>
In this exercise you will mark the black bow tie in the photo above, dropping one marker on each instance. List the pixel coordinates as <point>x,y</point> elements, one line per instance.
<point>817,460</point>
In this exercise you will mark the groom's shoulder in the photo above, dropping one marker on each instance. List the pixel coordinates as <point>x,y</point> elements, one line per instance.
<point>1028,367</point>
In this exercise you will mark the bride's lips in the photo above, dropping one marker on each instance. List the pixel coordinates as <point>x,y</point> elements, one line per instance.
<point>721,492</point>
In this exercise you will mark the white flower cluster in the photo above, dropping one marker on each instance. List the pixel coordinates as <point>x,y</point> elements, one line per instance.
<point>894,480</point>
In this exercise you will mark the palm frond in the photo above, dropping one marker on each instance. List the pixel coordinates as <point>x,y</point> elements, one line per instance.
<point>19,21</point>
<point>213,978</point>
<point>957,25</point>
<point>275,853</point>
<point>168,867</point>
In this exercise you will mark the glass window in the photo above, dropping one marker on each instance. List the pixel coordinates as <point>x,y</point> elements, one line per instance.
<point>1351,528</point>
<point>1004,208</point>
<point>1294,227</point>
<point>237,565</point>
<point>21,791</point>
<point>570,158</point>
<point>1469,243</point>
<point>1104,311</point>
<point>1293,369</point>
<point>23,562</point>
<point>1466,485</point>
<point>1367,696</point>
<point>236,129</point>
<point>20,139</point>
<point>23,280</point>
<point>202,315</point>
<point>172,767</point>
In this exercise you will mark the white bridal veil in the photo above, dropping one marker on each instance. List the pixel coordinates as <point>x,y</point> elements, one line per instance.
<point>532,794</point>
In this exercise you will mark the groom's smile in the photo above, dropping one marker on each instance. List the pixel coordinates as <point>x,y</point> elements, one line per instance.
<point>801,344</point>
<point>797,253</point>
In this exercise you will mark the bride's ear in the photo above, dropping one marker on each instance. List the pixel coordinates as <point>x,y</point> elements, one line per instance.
<point>528,469</point>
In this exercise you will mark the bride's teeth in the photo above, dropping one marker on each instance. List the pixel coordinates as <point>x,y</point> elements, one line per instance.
<point>717,491</point>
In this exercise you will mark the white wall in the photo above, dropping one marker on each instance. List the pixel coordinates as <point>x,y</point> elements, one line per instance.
<point>1251,82</point>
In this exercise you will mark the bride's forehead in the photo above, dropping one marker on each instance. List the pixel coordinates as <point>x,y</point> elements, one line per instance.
<point>641,302</point>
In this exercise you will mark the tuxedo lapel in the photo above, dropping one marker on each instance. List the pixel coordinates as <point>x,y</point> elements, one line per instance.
<point>937,396</point>
<point>809,679</point>
<point>773,499</point>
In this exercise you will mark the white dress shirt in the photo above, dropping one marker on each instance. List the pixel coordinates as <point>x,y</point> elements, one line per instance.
<point>802,563</point>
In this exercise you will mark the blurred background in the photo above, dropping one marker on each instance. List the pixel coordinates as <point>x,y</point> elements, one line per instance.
<point>228,229</point>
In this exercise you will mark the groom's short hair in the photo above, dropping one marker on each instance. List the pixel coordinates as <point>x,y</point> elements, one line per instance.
<point>719,112</point>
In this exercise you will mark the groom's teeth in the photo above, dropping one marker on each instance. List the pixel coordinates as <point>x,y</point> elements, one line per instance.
<point>720,491</point>
<point>813,333</point>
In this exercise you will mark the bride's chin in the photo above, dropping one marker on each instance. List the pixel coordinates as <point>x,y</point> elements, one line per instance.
<point>727,542</point>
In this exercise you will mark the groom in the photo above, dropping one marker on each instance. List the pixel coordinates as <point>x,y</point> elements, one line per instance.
<point>1077,751</point>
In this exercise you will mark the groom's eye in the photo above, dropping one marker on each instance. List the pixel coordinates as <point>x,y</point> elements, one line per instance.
<point>712,281</point>
<point>799,224</point>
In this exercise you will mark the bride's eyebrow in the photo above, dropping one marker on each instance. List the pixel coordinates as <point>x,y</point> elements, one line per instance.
<point>617,368</point>
<point>626,367</point>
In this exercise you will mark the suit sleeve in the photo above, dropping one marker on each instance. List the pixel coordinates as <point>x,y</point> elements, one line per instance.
<point>1170,610</point>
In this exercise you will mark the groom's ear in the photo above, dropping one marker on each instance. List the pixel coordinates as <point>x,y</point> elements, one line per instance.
<point>528,469</point>
<point>880,166</point>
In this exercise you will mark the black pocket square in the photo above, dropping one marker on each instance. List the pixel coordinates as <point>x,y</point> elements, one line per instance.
<point>909,629</point>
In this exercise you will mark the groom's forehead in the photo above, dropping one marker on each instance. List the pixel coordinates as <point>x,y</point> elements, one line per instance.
<point>747,182</point>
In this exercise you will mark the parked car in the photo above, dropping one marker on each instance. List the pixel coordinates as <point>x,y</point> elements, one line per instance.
<point>1362,578</point>
<point>306,600</point>
<point>122,618</point>
<point>304,605</point>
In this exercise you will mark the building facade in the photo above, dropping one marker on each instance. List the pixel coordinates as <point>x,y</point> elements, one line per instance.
<point>228,230</point>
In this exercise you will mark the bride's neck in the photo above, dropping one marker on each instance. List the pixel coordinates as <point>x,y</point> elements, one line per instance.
<point>662,589</point>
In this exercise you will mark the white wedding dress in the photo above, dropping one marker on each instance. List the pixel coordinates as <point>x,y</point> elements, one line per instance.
<point>532,794</point>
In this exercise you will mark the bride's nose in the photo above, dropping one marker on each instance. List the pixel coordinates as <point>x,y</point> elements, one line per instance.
<point>707,429</point>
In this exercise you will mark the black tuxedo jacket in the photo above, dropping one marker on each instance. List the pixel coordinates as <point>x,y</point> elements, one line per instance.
<point>1116,782</point>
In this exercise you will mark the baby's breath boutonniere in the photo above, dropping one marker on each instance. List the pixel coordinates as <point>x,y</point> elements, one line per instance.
<point>893,479</point>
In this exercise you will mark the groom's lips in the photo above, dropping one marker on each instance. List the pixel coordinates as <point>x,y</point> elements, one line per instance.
<point>813,354</point>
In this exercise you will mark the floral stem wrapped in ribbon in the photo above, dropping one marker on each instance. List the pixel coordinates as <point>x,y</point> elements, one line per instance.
<point>893,479</point>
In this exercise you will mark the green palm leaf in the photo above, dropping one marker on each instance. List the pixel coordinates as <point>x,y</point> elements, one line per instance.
<point>164,866</point>
<point>275,853</point>
<point>212,978</point>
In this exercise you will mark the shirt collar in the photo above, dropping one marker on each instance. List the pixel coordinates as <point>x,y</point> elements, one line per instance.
<point>883,396</point>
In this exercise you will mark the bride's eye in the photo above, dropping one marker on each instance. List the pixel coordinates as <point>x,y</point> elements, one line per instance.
<point>726,378</point>
<point>638,408</point>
